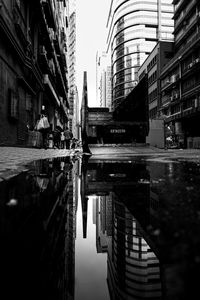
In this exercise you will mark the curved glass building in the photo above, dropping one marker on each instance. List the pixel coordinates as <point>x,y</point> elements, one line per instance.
<point>134,27</point>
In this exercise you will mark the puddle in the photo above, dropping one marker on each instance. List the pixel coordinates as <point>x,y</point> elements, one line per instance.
<point>72,227</point>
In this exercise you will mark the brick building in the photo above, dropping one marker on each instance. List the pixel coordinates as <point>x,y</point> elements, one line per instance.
<point>33,67</point>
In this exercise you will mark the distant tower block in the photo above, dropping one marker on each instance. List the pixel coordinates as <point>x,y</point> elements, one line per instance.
<point>84,116</point>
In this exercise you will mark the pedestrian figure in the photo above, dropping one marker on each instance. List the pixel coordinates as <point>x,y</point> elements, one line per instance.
<point>62,139</point>
<point>68,136</point>
<point>56,138</point>
<point>43,126</point>
<point>73,143</point>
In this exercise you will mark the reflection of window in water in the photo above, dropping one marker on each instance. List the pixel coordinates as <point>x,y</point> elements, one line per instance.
<point>133,268</point>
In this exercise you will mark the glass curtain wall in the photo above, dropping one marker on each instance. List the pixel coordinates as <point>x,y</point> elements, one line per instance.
<point>134,27</point>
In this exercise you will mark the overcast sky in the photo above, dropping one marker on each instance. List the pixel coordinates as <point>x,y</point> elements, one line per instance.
<point>91,37</point>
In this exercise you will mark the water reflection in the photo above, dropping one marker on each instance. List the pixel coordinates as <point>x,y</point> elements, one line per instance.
<point>37,234</point>
<point>122,198</point>
<point>129,230</point>
<point>147,221</point>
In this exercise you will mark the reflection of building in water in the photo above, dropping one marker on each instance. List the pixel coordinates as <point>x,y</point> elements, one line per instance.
<point>40,228</point>
<point>59,227</point>
<point>71,230</point>
<point>94,210</point>
<point>133,268</point>
<point>122,206</point>
<point>103,222</point>
<point>76,187</point>
<point>156,175</point>
<point>83,191</point>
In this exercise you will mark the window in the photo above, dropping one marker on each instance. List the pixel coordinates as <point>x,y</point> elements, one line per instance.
<point>13,104</point>
<point>28,102</point>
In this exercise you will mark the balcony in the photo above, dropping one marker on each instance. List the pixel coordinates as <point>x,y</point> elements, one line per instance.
<point>185,14</point>
<point>52,66</point>
<point>50,86</point>
<point>63,37</point>
<point>43,60</point>
<point>49,13</point>
<point>20,25</point>
<point>175,97</point>
<point>165,100</point>
<point>192,89</point>
<point>56,44</point>
<point>179,55</point>
<point>193,66</point>
<point>171,82</point>
<point>65,109</point>
<point>187,30</point>
<point>180,6</point>
<point>46,33</point>
<point>64,61</point>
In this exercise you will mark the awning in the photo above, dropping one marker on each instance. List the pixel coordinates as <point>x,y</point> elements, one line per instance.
<point>48,83</point>
<point>64,108</point>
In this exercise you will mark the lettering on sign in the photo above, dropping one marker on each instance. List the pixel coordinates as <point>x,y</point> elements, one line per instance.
<point>117,130</point>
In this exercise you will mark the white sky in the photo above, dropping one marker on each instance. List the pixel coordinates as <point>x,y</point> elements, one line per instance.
<point>91,18</point>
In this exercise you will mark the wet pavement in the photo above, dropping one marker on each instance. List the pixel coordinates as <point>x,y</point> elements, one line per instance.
<point>123,222</point>
<point>13,160</point>
<point>127,152</point>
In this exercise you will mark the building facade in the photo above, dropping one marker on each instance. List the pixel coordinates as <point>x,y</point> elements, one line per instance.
<point>103,80</point>
<point>33,67</point>
<point>152,66</point>
<point>105,88</point>
<point>180,79</point>
<point>128,124</point>
<point>72,70</point>
<point>134,27</point>
<point>133,267</point>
